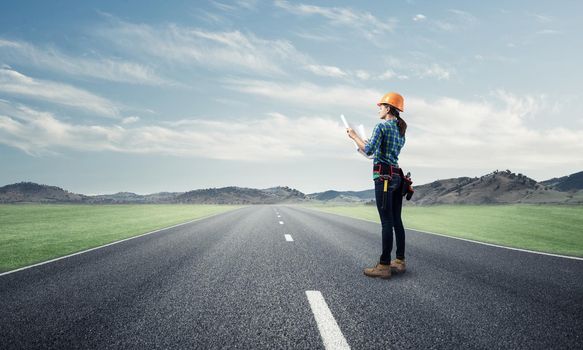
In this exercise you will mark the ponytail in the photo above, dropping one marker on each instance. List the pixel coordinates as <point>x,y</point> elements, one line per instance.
<point>400,122</point>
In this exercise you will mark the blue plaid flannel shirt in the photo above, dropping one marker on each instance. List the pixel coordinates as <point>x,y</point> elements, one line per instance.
<point>390,153</point>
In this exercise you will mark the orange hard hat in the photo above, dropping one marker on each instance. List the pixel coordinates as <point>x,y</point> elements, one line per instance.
<point>393,99</point>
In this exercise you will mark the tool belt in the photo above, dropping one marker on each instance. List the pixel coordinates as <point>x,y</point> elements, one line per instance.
<point>385,172</point>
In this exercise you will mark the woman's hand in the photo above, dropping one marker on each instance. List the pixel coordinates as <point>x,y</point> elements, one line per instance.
<point>351,133</point>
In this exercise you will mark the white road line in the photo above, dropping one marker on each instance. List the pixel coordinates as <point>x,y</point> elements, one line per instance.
<point>288,238</point>
<point>279,216</point>
<point>281,222</point>
<point>329,331</point>
<point>106,245</point>
<point>463,239</point>
<point>499,246</point>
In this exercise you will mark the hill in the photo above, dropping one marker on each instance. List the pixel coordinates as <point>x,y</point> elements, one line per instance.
<point>30,192</point>
<point>241,195</point>
<point>343,196</point>
<point>573,182</point>
<point>129,197</point>
<point>498,187</point>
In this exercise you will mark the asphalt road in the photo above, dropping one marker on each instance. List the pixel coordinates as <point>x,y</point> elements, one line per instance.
<point>234,281</point>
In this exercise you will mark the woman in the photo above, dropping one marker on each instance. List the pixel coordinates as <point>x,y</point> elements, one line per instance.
<point>387,139</point>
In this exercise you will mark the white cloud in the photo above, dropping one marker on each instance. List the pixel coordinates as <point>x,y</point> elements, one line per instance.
<point>548,31</point>
<point>273,137</point>
<point>419,18</point>
<point>311,35</point>
<point>416,69</point>
<point>248,4</point>
<point>435,71</point>
<point>9,44</point>
<point>444,25</point>
<point>15,83</point>
<point>306,93</point>
<point>223,6</point>
<point>463,16</point>
<point>494,58</point>
<point>443,133</point>
<point>39,133</point>
<point>544,19</point>
<point>130,120</point>
<point>100,68</point>
<point>362,74</point>
<point>231,50</point>
<point>369,25</point>
<point>212,18</point>
<point>388,74</point>
<point>493,133</point>
<point>237,5</point>
<point>327,71</point>
<point>455,20</point>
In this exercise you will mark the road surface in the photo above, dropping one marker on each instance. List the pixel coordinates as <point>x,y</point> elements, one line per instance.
<point>283,277</point>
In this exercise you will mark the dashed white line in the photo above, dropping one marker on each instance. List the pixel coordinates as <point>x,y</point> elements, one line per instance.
<point>281,222</point>
<point>329,331</point>
<point>288,238</point>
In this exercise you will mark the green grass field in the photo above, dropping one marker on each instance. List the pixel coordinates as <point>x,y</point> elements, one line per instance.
<point>33,233</point>
<point>546,228</point>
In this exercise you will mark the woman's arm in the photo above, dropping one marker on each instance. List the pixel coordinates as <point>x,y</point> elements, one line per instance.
<point>353,135</point>
<point>371,145</point>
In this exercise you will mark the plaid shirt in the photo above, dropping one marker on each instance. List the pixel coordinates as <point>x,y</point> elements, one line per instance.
<point>393,145</point>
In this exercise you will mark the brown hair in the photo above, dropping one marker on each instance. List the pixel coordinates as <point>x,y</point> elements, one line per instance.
<point>400,122</point>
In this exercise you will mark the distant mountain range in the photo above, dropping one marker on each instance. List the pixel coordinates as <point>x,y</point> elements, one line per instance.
<point>28,192</point>
<point>496,187</point>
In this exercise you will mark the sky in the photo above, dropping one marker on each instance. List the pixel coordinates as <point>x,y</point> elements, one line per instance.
<point>147,96</point>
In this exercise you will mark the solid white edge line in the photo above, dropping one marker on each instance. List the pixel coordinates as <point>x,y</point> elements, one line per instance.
<point>464,239</point>
<point>288,238</point>
<point>106,245</point>
<point>330,333</point>
<point>500,246</point>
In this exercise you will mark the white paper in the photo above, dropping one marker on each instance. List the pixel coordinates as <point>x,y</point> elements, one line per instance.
<point>360,132</point>
<point>344,121</point>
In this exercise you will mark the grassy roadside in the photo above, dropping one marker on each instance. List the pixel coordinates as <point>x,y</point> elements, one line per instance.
<point>33,233</point>
<point>546,228</point>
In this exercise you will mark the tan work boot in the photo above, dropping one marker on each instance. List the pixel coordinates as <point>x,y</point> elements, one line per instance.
<point>380,270</point>
<point>398,266</point>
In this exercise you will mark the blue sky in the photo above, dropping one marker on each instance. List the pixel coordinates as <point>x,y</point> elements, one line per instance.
<point>145,96</point>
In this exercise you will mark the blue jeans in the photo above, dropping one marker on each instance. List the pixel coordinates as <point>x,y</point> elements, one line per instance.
<point>391,217</point>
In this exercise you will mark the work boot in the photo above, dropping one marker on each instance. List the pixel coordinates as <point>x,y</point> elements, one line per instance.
<point>398,266</point>
<point>380,270</point>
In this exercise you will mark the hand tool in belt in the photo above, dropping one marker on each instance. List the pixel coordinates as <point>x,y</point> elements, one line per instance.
<point>385,173</point>
<point>385,176</point>
<point>386,180</point>
<point>409,192</point>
